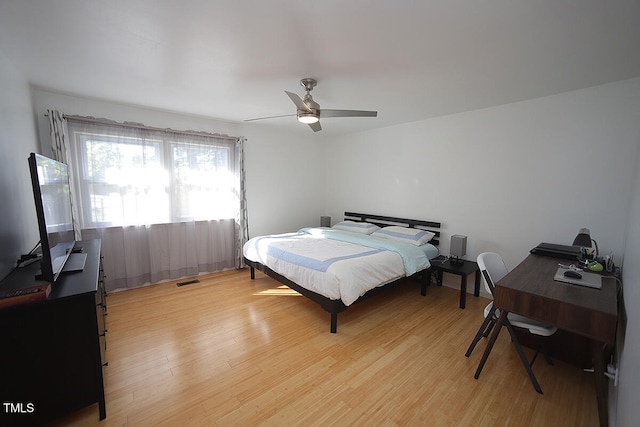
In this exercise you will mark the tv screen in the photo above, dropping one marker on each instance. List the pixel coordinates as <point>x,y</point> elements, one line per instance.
<point>50,181</point>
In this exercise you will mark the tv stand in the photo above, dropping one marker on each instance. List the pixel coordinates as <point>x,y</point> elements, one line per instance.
<point>52,351</point>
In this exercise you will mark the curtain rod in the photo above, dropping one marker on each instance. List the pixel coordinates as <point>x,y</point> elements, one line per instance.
<point>142,126</point>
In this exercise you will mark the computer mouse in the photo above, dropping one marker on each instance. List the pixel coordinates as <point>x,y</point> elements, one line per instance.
<point>572,274</point>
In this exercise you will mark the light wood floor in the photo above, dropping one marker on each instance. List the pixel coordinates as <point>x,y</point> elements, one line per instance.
<point>231,351</point>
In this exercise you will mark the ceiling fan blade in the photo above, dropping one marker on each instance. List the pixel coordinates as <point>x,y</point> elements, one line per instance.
<point>347,113</point>
<point>298,101</point>
<point>270,117</point>
<point>315,126</point>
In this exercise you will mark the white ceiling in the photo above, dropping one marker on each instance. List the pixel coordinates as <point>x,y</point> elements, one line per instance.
<point>233,59</point>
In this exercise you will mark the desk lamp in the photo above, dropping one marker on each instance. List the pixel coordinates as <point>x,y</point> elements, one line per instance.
<point>583,239</point>
<point>457,249</point>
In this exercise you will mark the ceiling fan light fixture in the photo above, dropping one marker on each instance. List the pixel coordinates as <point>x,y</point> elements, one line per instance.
<point>308,118</point>
<point>308,111</point>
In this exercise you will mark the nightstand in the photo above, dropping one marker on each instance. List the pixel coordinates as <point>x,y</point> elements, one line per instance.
<point>441,265</point>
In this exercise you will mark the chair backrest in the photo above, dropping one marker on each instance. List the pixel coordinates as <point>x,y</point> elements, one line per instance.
<point>495,267</point>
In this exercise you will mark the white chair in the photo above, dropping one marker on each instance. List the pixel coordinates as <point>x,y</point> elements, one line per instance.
<point>493,269</point>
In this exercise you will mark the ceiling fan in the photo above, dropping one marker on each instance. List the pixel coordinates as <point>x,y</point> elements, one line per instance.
<point>309,112</point>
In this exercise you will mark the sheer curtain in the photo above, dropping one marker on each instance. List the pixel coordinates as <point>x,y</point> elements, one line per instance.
<point>58,135</point>
<point>166,204</point>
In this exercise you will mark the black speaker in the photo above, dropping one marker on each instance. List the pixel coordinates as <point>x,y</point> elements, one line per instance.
<point>325,221</point>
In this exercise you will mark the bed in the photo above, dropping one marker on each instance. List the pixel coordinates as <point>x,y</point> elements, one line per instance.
<point>339,266</point>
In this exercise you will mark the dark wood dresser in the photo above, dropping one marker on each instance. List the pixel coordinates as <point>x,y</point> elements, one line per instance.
<point>52,351</point>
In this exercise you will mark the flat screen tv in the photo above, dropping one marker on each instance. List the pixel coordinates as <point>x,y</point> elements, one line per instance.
<point>51,192</point>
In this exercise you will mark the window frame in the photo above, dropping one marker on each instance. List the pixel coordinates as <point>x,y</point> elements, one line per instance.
<point>166,140</point>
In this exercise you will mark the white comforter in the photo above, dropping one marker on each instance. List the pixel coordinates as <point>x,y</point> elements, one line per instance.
<point>337,264</point>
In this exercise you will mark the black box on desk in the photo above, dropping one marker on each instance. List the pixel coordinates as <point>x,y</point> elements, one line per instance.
<point>557,251</point>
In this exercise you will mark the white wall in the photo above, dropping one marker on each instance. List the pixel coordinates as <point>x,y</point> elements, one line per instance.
<point>284,177</point>
<point>18,224</point>
<point>285,182</point>
<point>508,177</point>
<point>628,390</point>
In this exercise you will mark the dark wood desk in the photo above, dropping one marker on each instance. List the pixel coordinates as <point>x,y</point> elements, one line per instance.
<point>529,290</point>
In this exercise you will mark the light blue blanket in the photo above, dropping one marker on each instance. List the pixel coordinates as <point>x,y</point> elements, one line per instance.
<point>413,257</point>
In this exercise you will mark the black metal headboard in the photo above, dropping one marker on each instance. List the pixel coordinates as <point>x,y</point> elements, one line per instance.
<point>384,221</point>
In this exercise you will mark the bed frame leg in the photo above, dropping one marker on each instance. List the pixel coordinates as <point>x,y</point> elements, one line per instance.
<point>334,322</point>
<point>425,280</point>
<point>253,273</point>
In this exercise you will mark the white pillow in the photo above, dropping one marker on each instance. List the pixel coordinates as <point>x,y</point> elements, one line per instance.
<point>410,235</point>
<point>357,227</point>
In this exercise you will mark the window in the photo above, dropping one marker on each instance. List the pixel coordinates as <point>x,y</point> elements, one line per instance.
<point>134,176</point>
